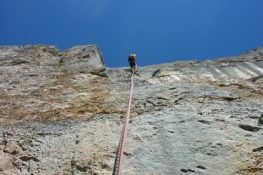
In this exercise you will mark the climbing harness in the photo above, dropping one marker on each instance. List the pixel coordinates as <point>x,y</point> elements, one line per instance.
<point>117,170</point>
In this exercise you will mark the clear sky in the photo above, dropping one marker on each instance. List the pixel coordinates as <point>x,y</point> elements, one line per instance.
<point>157,31</point>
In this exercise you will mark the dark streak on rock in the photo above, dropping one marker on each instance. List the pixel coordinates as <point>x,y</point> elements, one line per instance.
<point>127,154</point>
<point>258,149</point>
<point>156,72</point>
<point>201,167</point>
<point>187,170</point>
<point>27,158</point>
<point>81,169</point>
<point>260,120</point>
<point>184,170</point>
<point>249,128</point>
<point>204,122</point>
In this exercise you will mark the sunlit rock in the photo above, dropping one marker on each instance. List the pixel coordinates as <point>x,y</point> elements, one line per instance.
<point>62,113</point>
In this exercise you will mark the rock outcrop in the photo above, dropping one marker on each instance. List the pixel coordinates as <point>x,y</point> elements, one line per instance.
<point>62,113</point>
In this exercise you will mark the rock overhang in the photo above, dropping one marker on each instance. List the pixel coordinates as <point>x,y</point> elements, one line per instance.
<point>85,58</point>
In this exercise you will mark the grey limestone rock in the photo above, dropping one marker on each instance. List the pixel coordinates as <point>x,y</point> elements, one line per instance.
<point>62,113</point>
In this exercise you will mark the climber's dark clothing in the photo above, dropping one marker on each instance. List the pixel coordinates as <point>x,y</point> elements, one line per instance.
<point>132,62</point>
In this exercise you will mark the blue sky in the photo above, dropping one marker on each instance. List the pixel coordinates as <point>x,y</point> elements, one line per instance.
<point>157,31</point>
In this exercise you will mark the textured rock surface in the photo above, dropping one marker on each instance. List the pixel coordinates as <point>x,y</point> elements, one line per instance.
<point>62,113</point>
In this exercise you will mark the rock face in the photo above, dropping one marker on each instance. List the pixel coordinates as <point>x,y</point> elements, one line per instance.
<point>62,113</point>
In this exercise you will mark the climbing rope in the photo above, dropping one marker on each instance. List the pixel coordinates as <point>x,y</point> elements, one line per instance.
<point>117,170</point>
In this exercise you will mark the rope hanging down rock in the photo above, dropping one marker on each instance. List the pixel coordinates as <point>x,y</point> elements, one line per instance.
<point>117,170</point>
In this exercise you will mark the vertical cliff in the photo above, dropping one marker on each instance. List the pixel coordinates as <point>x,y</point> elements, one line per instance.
<point>62,113</point>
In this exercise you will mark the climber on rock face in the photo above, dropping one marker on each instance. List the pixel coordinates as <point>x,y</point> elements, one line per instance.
<point>132,62</point>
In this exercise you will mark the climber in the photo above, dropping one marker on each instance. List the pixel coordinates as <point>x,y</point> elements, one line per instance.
<point>132,62</point>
